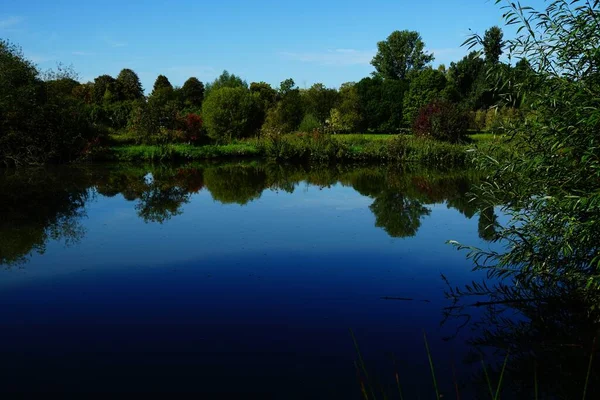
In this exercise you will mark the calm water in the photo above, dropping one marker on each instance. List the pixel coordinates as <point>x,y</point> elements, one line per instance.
<point>233,278</point>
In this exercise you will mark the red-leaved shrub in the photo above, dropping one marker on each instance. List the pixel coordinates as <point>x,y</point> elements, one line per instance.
<point>192,126</point>
<point>441,120</point>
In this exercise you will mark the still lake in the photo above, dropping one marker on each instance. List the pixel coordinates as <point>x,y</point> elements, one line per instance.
<point>236,278</point>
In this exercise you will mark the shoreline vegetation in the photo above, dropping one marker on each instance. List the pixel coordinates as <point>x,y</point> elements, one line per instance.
<point>315,147</point>
<point>426,113</point>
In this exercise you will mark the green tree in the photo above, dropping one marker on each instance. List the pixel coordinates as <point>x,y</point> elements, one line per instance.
<point>319,100</point>
<point>467,78</point>
<point>226,80</point>
<point>230,112</point>
<point>289,112</point>
<point>105,89</point>
<point>161,85</point>
<point>425,87</point>
<point>399,55</point>
<point>492,44</point>
<point>193,92</point>
<point>381,103</point>
<point>347,116</point>
<point>39,121</point>
<point>397,214</point>
<point>129,85</point>
<point>266,94</point>
<point>551,186</point>
<point>235,184</point>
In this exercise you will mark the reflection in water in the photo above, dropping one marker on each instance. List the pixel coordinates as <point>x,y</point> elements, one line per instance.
<point>548,332</point>
<point>46,204</point>
<point>37,206</point>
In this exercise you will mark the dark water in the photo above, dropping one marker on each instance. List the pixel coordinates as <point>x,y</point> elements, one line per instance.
<point>236,279</point>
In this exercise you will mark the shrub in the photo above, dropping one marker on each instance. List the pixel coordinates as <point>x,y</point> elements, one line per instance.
<point>309,123</point>
<point>441,120</point>
<point>231,113</point>
<point>479,120</point>
<point>192,126</point>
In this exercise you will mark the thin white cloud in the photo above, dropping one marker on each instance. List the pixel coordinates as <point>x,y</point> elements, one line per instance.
<point>114,43</point>
<point>337,57</point>
<point>9,22</point>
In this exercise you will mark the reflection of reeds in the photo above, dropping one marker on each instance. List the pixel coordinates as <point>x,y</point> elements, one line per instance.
<point>368,392</point>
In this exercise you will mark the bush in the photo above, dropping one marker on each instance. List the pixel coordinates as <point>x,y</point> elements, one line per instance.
<point>496,118</point>
<point>192,127</point>
<point>39,121</point>
<point>441,120</point>
<point>309,123</point>
<point>231,113</point>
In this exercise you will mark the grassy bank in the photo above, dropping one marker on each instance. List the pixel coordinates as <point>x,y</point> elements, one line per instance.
<point>315,147</point>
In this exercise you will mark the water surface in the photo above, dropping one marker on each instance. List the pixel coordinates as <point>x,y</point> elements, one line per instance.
<point>232,278</point>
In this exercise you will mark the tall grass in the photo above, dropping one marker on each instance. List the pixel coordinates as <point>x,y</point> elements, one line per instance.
<point>317,147</point>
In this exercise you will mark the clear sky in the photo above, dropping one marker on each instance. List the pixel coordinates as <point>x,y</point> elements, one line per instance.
<point>329,41</point>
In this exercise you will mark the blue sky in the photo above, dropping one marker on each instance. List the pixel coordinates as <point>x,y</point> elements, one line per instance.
<point>329,41</point>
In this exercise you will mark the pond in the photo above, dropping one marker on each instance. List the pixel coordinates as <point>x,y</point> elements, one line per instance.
<point>238,278</point>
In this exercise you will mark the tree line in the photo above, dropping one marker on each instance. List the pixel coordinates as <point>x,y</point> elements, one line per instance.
<point>53,117</point>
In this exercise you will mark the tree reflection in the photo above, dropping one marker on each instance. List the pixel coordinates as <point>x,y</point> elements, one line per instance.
<point>398,215</point>
<point>35,208</point>
<point>40,205</point>
<point>550,332</point>
<point>236,183</point>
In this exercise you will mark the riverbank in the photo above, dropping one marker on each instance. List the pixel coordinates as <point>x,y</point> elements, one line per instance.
<point>316,148</point>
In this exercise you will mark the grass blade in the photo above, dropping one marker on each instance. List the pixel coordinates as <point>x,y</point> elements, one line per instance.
<point>535,381</point>
<point>487,378</point>
<point>587,378</point>
<point>437,392</point>
<point>362,364</point>
<point>501,378</point>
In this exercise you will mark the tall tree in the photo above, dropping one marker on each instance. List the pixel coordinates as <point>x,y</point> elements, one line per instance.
<point>226,79</point>
<point>320,100</point>
<point>492,44</point>
<point>129,85</point>
<point>401,53</point>
<point>426,87</point>
<point>266,94</point>
<point>161,83</point>
<point>230,113</point>
<point>467,77</point>
<point>105,89</point>
<point>193,92</point>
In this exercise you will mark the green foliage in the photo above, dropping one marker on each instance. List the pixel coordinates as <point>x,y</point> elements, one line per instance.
<point>425,87</point>
<point>231,112</point>
<point>319,100</point>
<point>492,44</point>
<point>289,111</point>
<point>467,77</point>
<point>266,94</point>
<point>226,80</point>
<point>39,121</point>
<point>309,124</point>
<point>161,84</point>
<point>129,85</point>
<point>380,103</point>
<point>347,117</point>
<point>192,92</point>
<point>551,187</point>
<point>400,54</point>
<point>105,89</point>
